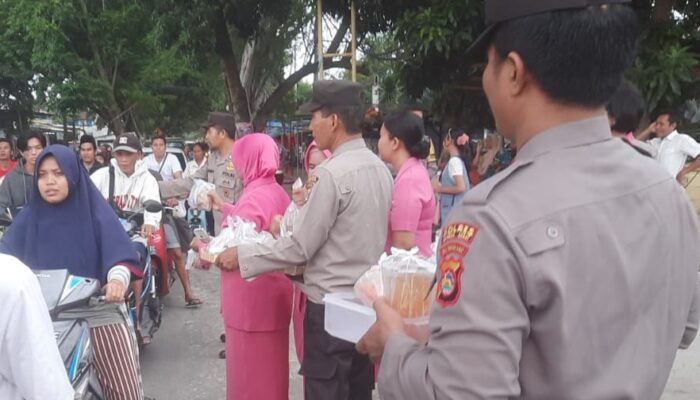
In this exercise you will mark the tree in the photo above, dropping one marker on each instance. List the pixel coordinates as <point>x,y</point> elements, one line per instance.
<point>16,100</point>
<point>252,42</point>
<point>107,57</point>
<point>431,38</point>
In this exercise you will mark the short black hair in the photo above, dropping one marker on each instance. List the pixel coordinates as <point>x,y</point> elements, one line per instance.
<point>350,115</point>
<point>673,117</point>
<point>23,141</point>
<point>6,140</point>
<point>626,107</point>
<point>202,145</point>
<point>231,135</point>
<point>408,128</point>
<point>577,56</point>
<point>88,139</point>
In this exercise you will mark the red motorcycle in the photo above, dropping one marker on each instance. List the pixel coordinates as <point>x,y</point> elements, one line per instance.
<point>146,307</point>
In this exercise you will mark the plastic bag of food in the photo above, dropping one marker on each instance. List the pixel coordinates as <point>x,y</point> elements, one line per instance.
<point>287,225</point>
<point>404,279</point>
<point>198,195</point>
<point>236,233</point>
<point>194,261</point>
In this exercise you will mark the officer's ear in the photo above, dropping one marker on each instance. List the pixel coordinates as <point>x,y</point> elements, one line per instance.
<point>336,122</point>
<point>516,72</point>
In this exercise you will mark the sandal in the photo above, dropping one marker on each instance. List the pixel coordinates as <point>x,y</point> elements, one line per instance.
<point>146,340</point>
<point>193,302</point>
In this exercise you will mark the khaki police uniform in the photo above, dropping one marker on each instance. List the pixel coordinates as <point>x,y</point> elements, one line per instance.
<point>219,171</point>
<point>339,233</point>
<point>570,275</point>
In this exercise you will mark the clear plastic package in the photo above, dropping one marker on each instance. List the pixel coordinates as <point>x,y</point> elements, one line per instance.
<point>236,233</point>
<point>404,279</point>
<point>198,195</point>
<point>287,225</point>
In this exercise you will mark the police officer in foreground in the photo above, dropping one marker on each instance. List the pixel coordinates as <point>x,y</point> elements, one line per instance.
<point>339,233</point>
<point>571,274</point>
<point>220,131</point>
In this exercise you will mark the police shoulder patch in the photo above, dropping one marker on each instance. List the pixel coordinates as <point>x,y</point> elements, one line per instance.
<point>454,245</point>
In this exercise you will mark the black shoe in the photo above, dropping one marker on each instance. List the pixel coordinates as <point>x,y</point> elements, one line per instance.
<point>222,338</point>
<point>222,354</point>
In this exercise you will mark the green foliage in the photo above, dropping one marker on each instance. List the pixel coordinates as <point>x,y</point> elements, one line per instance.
<point>662,74</point>
<point>110,57</point>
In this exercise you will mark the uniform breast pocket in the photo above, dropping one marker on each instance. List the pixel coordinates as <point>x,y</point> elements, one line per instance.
<point>540,237</point>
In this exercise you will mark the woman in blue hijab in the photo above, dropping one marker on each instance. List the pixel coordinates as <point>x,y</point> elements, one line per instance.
<point>67,224</point>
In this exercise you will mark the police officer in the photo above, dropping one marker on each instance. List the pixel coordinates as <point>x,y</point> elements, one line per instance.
<point>220,129</point>
<point>339,233</point>
<point>571,274</point>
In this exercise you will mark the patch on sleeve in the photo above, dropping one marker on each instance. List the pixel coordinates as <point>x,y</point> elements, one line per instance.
<point>454,246</point>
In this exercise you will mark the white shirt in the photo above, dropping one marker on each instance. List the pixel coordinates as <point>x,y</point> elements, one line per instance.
<point>192,167</point>
<point>30,364</point>
<point>170,166</point>
<point>455,167</point>
<point>674,150</point>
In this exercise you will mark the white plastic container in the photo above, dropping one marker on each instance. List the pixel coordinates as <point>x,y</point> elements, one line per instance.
<point>346,317</point>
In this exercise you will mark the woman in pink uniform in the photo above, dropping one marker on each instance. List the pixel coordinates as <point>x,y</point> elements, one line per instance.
<point>402,143</point>
<point>256,313</point>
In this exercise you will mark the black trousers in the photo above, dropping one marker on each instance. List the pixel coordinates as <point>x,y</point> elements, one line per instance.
<point>332,368</point>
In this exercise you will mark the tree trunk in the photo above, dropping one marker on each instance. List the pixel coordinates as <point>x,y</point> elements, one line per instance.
<point>662,10</point>
<point>224,49</point>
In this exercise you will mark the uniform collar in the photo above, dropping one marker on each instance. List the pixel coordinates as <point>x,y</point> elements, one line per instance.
<point>353,144</point>
<point>574,134</point>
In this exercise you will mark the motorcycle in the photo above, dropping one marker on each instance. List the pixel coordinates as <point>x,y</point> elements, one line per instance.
<point>156,274</point>
<point>62,292</point>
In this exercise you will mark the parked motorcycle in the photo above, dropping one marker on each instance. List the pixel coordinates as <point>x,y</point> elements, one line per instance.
<point>63,292</point>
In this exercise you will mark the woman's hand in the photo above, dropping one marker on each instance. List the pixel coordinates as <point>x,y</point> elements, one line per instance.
<point>197,244</point>
<point>171,202</point>
<point>114,291</point>
<point>217,203</point>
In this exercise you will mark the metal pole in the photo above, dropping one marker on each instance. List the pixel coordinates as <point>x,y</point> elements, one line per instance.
<point>353,28</point>
<point>319,35</point>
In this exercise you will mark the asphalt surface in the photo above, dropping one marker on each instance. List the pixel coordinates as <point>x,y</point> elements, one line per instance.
<point>182,362</point>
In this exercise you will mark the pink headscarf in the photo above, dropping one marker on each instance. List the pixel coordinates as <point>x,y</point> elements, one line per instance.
<point>307,154</point>
<point>255,156</point>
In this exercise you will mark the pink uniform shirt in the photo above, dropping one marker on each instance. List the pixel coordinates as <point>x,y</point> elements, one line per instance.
<point>413,205</point>
<point>264,304</point>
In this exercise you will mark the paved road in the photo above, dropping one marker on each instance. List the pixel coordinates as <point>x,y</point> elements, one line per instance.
<point>182,362</point>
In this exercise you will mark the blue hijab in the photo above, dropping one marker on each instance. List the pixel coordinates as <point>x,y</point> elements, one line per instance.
<point>81,234</point>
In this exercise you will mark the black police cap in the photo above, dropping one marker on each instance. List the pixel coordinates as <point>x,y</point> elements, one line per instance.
<point>497,11</point>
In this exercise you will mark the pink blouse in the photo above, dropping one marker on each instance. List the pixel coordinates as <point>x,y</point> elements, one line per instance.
<point>413,205</point>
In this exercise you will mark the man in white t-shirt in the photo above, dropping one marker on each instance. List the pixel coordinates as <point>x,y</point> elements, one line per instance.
<point>672,148</point>
<point>160,161</point>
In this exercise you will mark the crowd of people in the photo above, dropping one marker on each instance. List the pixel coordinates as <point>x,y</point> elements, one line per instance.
<point>567,270</point>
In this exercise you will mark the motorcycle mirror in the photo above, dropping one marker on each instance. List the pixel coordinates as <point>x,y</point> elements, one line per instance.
<point>153,206</point>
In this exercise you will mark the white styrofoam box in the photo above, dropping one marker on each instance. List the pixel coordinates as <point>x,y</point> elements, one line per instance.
<point>346,317</point>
